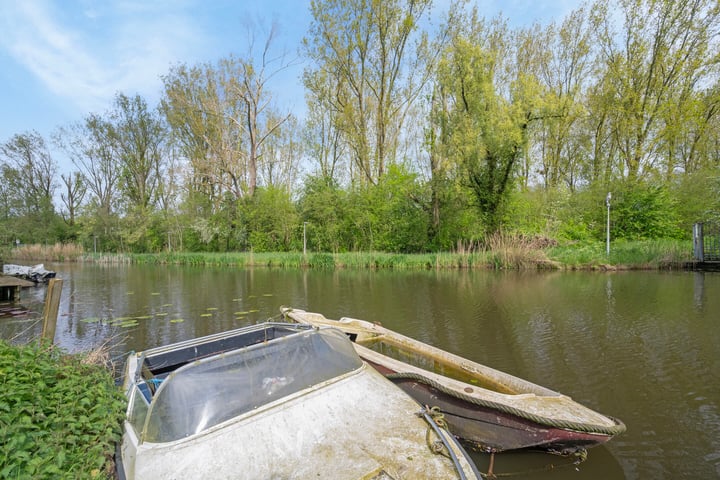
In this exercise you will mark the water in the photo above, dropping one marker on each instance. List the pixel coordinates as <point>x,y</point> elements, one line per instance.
<point>640,346</point>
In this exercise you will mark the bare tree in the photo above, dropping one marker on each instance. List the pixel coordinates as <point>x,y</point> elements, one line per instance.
<point>73,194</point>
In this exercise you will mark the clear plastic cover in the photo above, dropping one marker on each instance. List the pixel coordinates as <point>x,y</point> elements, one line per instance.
<point>213,390</point>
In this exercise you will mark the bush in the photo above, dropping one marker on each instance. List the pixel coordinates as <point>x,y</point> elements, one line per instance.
<point>60,415</point>
<point>643,211</point>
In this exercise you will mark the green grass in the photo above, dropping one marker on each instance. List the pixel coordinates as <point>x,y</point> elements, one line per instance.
<point>504,252</point>
<point>641,254</point>
<point>60,415</point>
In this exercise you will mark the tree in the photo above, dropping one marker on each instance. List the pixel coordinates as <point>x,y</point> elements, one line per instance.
<point>27,171</point>
<point>559,56</point>
<point>73,195</point>
<point>31,170</point>
<point>651,70</point>
<point>488,112</point>
<point>365,75</point>
<point>89,145</point>
<point>137,135</point>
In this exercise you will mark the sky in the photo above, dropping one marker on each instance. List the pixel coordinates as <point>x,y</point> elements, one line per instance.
<point>61,60</point>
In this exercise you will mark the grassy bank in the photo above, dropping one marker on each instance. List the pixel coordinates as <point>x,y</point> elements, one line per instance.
<point>646,254</point>
<point>501,252</point>
<point>60,414</point>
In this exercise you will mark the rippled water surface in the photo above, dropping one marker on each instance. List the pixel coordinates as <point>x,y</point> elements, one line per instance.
<point>640,346</point>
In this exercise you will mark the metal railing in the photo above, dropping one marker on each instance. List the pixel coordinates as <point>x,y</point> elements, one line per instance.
<point>706,242</point>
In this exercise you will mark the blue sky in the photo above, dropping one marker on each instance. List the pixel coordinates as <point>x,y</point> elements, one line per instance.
<point>63,59</point>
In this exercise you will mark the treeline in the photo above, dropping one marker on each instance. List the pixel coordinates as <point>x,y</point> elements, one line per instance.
<point>423,132</point>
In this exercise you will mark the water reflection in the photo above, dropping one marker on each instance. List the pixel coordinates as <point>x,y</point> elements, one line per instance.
<point>600,464</point>
<point>642,346</point>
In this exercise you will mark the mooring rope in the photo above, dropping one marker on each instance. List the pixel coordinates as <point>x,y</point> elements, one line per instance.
<point>436,423</point>
<point>616,429</point>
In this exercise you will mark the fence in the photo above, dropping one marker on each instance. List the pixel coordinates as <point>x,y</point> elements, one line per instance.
<point>706,242</point>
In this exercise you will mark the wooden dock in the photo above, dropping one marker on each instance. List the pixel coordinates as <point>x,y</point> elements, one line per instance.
<point>10,288</point>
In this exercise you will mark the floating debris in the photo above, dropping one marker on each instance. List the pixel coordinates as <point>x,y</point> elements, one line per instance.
<point>177,320</point>
<point>161,314</point>
<point>211,308</point>
<point>206,314</point>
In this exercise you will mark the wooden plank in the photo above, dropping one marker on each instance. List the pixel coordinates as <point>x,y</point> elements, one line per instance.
<point>50,312</point>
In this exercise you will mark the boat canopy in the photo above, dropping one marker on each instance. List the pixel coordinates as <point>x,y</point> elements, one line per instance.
<point>210,391</point>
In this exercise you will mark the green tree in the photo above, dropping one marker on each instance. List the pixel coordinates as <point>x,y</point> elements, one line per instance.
<point>651,68</point>
<point>28,174</point>
<point>91,148</point>
<point>365,75</point>
<point>489,111</point>
<point>271,220</point>
<point>324,206</point>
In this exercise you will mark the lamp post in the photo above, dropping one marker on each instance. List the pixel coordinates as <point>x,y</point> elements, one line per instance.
<point>607,236</point>
<point>304,239</point>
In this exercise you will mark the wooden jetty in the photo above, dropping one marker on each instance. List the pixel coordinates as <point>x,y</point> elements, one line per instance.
<point>10,287</point>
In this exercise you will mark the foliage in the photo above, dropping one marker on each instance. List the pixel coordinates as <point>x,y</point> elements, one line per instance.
<point>394,220</point>
<point>637,254</point>
<point>323,205</point>
<point>414,143</point>
<point>643,212</point>
<point>365,74</point>
<point>270,218</point>
<point>60,417</point>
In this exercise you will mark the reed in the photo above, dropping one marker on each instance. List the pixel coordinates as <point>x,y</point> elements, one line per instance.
<point>516,252</point>
<point>500,251</point>
<point>59,252</point>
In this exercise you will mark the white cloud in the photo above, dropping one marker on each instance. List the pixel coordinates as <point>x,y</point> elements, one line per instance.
<point>103,49</point>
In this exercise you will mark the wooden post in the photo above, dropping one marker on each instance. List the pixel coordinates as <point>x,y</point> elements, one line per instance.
<point>50,312</point>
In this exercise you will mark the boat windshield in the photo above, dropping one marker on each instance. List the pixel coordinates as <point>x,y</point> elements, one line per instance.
<point>210,391</point>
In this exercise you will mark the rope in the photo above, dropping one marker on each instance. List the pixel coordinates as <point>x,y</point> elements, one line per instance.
<point>435,421</point>
<point>437,447</point>
<point>616,429</point>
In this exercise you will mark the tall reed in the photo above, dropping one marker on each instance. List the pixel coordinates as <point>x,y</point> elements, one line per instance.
<point>59,252</point>
<point>511,251</point>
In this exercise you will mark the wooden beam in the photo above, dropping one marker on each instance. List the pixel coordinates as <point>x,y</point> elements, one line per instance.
<point>52,305</point>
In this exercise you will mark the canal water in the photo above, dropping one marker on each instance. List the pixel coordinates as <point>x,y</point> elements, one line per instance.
<point>640,346</point>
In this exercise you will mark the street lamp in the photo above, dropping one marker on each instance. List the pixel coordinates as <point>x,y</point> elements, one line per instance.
<point>607,236</point>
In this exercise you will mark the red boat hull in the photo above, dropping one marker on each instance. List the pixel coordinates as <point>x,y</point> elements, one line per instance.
<point>494,430</point>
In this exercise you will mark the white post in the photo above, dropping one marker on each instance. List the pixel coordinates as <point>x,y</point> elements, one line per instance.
<point>607,236</point>
<point>304,239</point>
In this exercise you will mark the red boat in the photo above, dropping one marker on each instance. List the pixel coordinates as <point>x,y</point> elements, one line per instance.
<point>492,410</point>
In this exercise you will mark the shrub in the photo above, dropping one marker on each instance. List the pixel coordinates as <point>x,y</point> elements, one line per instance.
<point>60,415</point>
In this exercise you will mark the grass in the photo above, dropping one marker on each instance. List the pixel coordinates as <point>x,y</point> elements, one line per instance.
<point>640,254</point>
<point>60,414</point>
<point>500,251</point>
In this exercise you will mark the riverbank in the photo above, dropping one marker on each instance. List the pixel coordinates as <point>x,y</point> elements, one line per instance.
<point>60,414</point>
<point>510,253</point>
